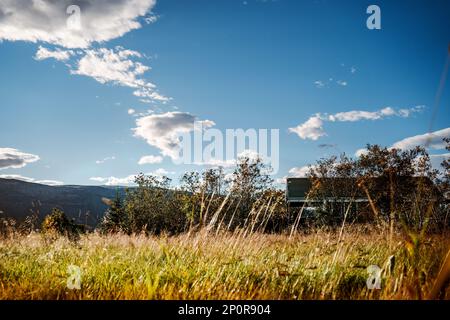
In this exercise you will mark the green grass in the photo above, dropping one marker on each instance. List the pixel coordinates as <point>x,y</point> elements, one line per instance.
<point>224,266</point>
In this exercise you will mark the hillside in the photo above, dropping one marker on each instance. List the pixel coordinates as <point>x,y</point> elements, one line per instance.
<point>16,198</point>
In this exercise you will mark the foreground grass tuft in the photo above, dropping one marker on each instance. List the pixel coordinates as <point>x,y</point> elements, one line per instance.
<point>224,266</point>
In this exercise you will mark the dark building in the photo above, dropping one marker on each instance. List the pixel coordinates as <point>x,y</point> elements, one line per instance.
<point>336,196</point>
<point>298,192</point>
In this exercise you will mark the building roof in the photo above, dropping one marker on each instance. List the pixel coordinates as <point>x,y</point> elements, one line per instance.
<point>297,189</point>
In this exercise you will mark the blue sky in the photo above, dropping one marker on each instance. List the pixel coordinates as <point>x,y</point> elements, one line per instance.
<point>240,64</point>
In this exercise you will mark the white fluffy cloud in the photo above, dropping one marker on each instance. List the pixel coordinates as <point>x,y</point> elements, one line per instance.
<point>148,95</point>
<point>27,179</point>
<point>313,128</point>
<point>300,172</point>
<point>118,66</point>
<point>112,66</point>
<point>358,115</point>
<point>51,22</point>
<point>14,159</point>
<point>150,160</point>
<point>47,20</point>
<point>163,130</point>
<point>434,140</point>
<point>58,54</point>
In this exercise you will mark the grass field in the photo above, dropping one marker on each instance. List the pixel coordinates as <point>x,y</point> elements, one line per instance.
<point>227,266</point>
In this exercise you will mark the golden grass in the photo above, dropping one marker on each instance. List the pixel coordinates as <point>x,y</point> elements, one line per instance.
<point>219,266</point>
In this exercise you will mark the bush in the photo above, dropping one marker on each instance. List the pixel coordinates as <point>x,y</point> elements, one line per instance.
<point>115,219</point>
<point>57,224</point>
<point>152,207</point>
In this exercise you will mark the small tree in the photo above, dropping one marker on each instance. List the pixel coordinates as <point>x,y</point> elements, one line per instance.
<point>202,194</point>
<point>115,218</point>
<point>57,224</point>
<point>249,181</point>
<point>334,180</point>
<point>214,181</point>
<point>151,207</point>
<point>190,197</point>
<point>399,184</point>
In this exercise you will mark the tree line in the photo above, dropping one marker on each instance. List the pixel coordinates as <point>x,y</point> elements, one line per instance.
<point>400,188</point>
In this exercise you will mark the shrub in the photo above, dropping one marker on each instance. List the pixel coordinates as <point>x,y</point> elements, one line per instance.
<point>115,219</point>
<point>152,207</point>
<point>57,224</point>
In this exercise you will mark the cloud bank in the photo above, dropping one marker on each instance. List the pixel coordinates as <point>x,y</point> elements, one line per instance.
<point>312,129</point>
<point>14,159</point>
<point>50,21</point>
<point>433,140</point>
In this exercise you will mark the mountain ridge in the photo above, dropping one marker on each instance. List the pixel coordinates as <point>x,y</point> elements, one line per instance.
<point>82,203</point>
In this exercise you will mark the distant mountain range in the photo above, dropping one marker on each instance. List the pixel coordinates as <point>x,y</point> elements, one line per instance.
<point>83,203</point>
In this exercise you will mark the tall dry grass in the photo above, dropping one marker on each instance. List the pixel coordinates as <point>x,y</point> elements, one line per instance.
<point>219,265</point>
